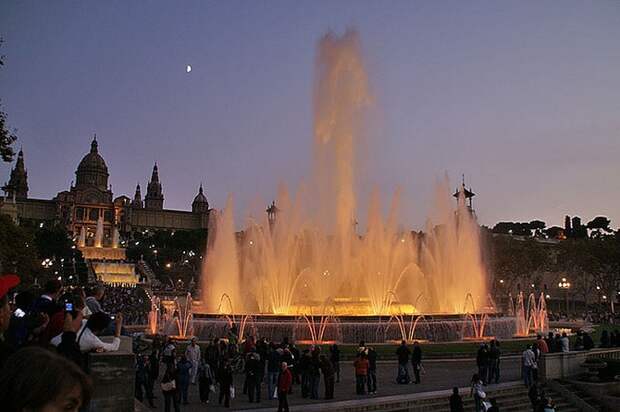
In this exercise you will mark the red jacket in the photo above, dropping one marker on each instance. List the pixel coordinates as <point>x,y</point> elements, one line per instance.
<point>285,380</point>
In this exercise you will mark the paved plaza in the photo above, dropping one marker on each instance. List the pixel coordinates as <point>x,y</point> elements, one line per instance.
<point>440,374</point>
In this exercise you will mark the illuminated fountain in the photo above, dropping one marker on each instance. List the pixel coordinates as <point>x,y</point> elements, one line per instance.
<point>184,317</point>
<point>534,317</point>
<point>311,253</point>
<point>307,255</point>
<point>406,329</point>
<point>154,316</point>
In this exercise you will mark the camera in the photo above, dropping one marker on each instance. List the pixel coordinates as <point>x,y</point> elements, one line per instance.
<point>68,307</point>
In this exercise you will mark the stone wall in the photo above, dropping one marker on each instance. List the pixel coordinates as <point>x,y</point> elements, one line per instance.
<point>113,375</point>
<point>565,364</point>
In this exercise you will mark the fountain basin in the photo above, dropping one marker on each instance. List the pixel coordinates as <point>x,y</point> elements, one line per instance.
<point>352,329</point>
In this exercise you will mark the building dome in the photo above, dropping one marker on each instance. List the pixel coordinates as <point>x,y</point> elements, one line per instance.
<point>200,203</point>
<point>92,170</point>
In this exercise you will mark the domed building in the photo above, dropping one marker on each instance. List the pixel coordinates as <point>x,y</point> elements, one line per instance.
<point>90,200</point>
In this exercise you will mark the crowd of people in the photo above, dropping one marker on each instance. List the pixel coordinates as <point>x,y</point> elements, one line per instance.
<point>130,300</point>
<point>51,331</point>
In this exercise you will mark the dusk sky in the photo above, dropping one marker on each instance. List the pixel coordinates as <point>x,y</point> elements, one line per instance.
<point>523,97</point>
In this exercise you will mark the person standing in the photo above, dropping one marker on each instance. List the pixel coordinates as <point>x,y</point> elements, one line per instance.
<point>416,361</point>
<point>273,370</point>
<point>169,389</point>
<point>205,380</point>
<point>184,367</point>
<point>143,380</point>
<point>403,353</point>
<point>528,361</point>
<point>328,376</point>
<point>225,377</point>
<point>494,355</point>
<point>372,370</point>
<point>361,373</point>
<point>477,392</point>
<point>192,353</point>
<point>334,357</point>
<point>564,342</point>
<point>7,282</point>
<point>542,344</point>
<point>254,376</point>
<point>315,373</point>
<point>169,352</point>
<point>456,402</point>
<point>285,380</point>
<point>482,361</point>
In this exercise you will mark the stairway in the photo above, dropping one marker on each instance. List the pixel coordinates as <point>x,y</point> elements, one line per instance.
<point>513,398</point>
<point>147,272</point>
<point>577,395</point>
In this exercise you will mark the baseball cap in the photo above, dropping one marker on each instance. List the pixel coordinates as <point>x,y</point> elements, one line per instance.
<point>8,282</point>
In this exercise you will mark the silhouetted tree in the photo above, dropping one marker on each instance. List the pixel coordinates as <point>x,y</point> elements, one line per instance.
<point>599,225</point>
<point>7,138</point>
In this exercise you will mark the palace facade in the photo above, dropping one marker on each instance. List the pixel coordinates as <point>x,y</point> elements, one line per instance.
<point>91,199</point>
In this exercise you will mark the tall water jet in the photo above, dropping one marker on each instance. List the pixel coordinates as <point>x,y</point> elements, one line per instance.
<point>82,238</point>
<point>221,265</point>
<point>306,257</point>
<point>99,233</point>
<point>115,237</point>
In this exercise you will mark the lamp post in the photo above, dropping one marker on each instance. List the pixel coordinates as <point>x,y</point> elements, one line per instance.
<point>564,284</point>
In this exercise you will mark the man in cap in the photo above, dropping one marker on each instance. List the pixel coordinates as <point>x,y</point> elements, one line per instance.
<point>7,282</point>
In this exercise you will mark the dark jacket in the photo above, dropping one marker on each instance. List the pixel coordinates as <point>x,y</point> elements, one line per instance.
<point>456,403</point>
<point>403,354</point>
<point>416,356</point>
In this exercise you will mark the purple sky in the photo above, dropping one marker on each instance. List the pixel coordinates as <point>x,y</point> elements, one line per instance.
<point>522,97</point>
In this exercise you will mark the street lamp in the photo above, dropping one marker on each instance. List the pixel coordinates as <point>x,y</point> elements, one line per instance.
<point>564,284</point>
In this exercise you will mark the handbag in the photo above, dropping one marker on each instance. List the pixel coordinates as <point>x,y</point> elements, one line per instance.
<point>275,393</point>
<point>481,394</point>
<point>168,386</point>
<point>212,388</point>
<point>232,392</point>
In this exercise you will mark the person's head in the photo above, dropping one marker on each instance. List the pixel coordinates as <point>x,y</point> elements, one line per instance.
<point>7,282</point>
<point>98,322</point>
<point>24,300</point>
<point>416,343</point>
<point>193,341</point>
<point>362,344</point>
<point>550,334</point>
<point>539,336</point>
<point>493,402</point>
<point>283,366</point>
<point>97,291</point>
<point>36,379</point>
<point>53,288</point>
<point>403,342</point>
<point>455,390</point>
<point>475,377</point>
<point>564,334</point>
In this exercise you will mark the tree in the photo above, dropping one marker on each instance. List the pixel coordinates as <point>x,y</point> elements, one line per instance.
<point>7,138</point>
<point>599,225</point>
<point>17,251</point>
<point>538,226</point>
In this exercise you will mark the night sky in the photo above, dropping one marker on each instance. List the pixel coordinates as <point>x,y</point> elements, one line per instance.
<point>523,97</point>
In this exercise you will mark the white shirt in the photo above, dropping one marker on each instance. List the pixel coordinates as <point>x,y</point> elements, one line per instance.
<point>529,359</point>
<point>564,341</point>
<point>89,341</point>
<point>192,353</point>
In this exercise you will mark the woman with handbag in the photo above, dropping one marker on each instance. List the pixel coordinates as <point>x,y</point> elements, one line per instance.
<point>477,392</point>
<point>169,389</point>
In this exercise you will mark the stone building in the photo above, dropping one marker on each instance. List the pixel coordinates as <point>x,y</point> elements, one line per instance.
<point>91,198</point>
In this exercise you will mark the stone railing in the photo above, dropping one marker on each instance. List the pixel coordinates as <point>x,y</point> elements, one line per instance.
<point>566,364</point>
<point>113,375</point>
